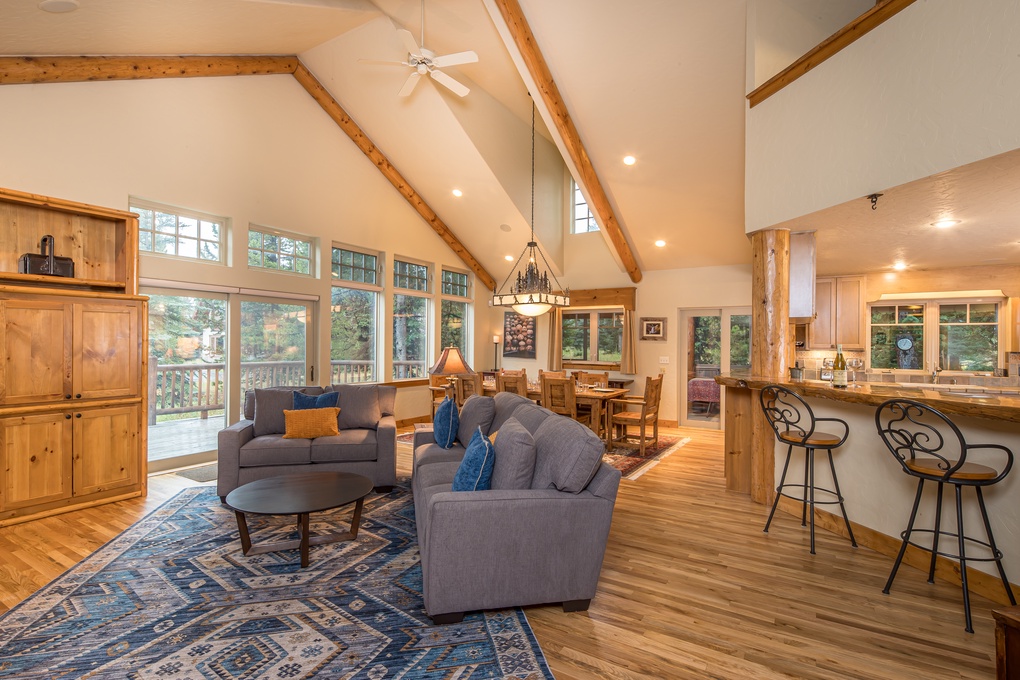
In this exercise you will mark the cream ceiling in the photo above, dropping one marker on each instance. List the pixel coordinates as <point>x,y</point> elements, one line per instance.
<point>663,80</point>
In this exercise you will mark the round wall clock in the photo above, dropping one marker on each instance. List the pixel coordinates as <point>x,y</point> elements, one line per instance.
<point>904,343</point>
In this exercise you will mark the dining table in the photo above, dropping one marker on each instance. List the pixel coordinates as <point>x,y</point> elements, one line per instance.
<point>597,398</point>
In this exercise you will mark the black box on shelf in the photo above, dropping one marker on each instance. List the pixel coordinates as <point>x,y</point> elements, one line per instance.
<point>46,263</point>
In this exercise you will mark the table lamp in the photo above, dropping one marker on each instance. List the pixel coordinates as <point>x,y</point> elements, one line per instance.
<point>450,363</point>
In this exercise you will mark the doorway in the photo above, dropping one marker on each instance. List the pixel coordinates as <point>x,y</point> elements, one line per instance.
<point>712,341</point>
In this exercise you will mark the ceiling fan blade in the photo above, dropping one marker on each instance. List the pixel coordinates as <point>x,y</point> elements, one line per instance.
<point>455,59</point>
<point>407,40</point>
<point>409,84</point>
<point>449,83</point>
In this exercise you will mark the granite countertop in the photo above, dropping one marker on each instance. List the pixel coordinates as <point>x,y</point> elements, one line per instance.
<point>964,400</point>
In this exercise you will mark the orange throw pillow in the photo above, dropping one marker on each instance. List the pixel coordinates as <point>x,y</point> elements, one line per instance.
<point>310,423</point>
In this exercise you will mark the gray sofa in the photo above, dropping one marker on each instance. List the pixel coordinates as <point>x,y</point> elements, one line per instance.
<point>254,448</point>
<point>541,540</point>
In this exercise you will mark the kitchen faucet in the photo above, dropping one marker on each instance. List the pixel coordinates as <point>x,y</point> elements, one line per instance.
<point>935,375</point>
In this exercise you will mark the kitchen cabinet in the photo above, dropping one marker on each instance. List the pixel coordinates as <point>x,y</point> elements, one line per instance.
<point>73,371</point>
<point>839,313</point>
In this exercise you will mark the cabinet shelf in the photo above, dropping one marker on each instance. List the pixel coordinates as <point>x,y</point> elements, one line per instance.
<point>60,281</point>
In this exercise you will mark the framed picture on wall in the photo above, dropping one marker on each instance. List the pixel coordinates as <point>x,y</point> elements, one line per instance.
<point>653,328</point>
<point>518,336</point>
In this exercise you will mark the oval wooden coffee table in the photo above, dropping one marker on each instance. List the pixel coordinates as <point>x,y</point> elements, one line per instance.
<point>299,495</point>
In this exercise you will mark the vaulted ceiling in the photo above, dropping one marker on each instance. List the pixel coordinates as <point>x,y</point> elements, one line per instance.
<point>662,80</point>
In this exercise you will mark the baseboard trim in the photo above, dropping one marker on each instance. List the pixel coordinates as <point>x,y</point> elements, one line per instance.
<point>946,569</point>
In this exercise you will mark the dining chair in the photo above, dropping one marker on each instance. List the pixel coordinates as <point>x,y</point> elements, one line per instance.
<point>647,414</point>
<point>512,381</point>
<point>467,384</point>
<point>438,386</point>
<point>593,379</point>
<point>559,397</point>
<point>551,374</point>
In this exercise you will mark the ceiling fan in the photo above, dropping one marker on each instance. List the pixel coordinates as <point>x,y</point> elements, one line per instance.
<point>426,62</point>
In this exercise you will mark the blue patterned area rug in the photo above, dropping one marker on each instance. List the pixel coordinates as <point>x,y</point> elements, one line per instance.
<point>173,598</point>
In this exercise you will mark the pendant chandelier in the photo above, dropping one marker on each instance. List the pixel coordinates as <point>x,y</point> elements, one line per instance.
<point>532,292</point>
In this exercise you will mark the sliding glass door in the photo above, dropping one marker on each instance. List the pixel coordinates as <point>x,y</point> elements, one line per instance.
<point>275,339</point>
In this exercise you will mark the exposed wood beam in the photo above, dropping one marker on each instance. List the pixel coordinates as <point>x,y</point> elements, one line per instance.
<point>24,70</point>
<point>881,12</point>
<point>539,70</point>
<point>358,136</point>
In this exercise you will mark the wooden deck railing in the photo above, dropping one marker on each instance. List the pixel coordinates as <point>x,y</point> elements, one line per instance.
<point>199,388</point>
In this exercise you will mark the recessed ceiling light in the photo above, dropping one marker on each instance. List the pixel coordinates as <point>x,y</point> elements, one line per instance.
<point>508,258</point>
<point>504,227</point>
<point>660,243</point>
<point>900,265</point>
<point>58,6</point>
<point>945,224</point>
<point>629,160</point>
<point>458,193</point>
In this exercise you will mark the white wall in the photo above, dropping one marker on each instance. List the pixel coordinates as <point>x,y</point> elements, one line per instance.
<point>935,87</point>
<point>785,30</point>
<point>255,149</point>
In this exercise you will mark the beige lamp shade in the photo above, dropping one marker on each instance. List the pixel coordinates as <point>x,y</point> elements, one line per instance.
<point>451,362</point>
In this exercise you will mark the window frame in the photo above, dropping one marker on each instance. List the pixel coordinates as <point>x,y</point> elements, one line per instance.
<point>178,212</point>
<point>429,297</point>
<point>313,246</point>
<point>593,338</point>
<point>930,331</point>
<point>577,199</point>
<point>467,299</point>
<point>376,289</point>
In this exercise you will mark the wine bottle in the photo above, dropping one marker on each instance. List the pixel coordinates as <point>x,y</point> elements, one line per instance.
<point>839,369</point>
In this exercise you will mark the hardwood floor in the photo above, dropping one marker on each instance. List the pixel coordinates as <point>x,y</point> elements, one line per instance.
<point>690,588</point>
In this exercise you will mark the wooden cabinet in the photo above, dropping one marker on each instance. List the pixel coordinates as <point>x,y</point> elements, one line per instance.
<point>839,313</point>
<point>72,372</point>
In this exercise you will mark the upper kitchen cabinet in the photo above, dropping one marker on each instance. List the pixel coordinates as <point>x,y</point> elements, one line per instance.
<point>101,242</point>
<point>839,313</point>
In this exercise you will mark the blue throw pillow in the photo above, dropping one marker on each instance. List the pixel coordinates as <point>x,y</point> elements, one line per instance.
<point>446,423</point>
<point>303,401</point>
<point>475,471</point>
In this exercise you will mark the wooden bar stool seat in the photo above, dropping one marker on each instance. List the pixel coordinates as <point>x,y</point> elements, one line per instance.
<point>794,423</point>
<point>930,447</point>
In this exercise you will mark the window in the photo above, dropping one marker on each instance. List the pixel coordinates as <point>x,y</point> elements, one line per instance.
<point>969,336</point>
<point>582,219</point>
<point>271,249</point>
<point>410,319</point>
<point>453,314</point>
<point>179,233</point>
<point>955,335</point>
<point>593,337</point>
<point>354,307</point>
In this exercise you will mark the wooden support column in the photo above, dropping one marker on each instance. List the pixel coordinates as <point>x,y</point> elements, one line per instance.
<point>770,337</point>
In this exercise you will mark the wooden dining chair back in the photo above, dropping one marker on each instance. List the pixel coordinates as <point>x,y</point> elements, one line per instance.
<point>551,374</point>
<point>467,384</point>
<point>516,382</point>
<point>646,415</point>
<point>523,372</point>
<point>558,396</point>
<point>593,379</point>
<point>437,386</point>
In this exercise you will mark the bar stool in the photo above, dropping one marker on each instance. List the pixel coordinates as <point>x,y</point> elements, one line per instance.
<point>794,423</point>
<point>929,446</point>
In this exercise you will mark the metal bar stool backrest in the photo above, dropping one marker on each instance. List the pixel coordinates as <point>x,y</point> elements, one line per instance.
<point>788,414</point>
<point>928,444</point>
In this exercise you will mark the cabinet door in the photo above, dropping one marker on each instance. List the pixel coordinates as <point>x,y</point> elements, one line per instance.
<point>106,349</point>
<point>35,459</point>
<point>823,332</point>
<point>850,312</point>
<point>35,337</point>
<point>106,451</point>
